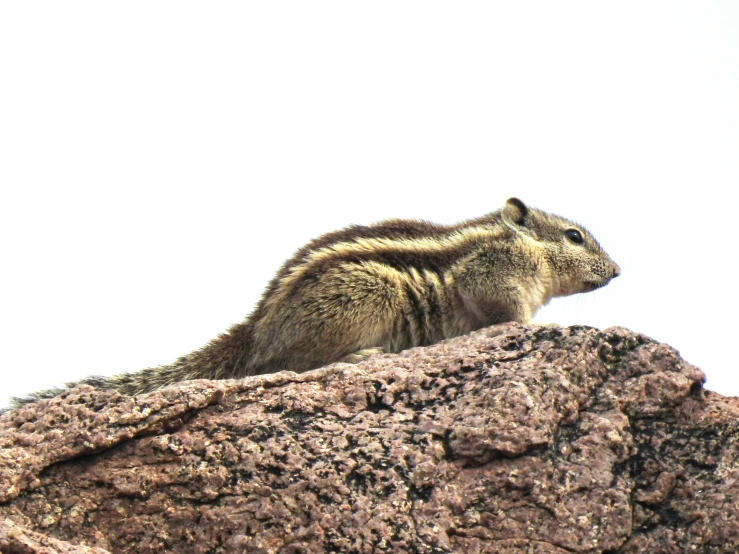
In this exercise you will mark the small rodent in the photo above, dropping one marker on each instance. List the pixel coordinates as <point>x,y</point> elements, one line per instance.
<point>388,287</point>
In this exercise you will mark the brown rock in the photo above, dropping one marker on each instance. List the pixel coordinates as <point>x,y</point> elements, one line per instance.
<point>15,539</point>
<point>512,439</point>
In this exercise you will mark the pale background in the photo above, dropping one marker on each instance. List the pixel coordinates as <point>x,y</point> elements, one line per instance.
<point>160,160</point>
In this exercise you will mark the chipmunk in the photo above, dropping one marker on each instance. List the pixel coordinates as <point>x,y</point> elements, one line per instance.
<point>390,286</point>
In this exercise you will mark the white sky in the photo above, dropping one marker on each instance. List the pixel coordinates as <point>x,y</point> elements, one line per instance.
<point>160,160</point>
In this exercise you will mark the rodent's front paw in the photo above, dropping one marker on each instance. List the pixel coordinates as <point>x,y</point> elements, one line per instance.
<point>359,355</point>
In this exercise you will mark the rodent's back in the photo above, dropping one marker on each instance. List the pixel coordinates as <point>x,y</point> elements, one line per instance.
<point>378,287</point>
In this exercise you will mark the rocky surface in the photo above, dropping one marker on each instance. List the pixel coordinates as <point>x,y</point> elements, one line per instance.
<point>16,539</point>
<point>512,439</point>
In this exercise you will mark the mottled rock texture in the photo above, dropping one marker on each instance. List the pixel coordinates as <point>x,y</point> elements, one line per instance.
<point>512,439</point>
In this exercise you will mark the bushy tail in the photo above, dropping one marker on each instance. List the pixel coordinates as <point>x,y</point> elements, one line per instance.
<point>129,384</point>
<point>18,401</point>
<point>226,357</point>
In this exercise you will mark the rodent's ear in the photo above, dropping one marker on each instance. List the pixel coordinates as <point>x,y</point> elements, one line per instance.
<point>515,212</point>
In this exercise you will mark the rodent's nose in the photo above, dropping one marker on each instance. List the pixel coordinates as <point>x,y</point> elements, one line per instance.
<point>616,271</point>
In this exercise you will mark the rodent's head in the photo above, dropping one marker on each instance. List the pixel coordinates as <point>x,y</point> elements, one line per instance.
<point>577,261</point>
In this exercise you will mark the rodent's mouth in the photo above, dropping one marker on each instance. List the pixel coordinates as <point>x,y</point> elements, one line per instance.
<point>593,285</point>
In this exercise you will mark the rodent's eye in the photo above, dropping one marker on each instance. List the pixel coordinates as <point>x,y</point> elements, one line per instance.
<point>574,235</point>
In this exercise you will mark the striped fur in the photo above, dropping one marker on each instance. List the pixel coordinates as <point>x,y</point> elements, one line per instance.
<point>391,286</point>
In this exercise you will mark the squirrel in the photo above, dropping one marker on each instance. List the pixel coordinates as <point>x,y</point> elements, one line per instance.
<point>390,286</point>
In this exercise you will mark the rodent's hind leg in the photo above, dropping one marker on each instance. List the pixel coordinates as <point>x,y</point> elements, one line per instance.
<point>347,315</point>
<point>361,355</point>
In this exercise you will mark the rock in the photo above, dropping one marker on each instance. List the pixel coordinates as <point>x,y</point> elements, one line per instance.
<point>15,539</point>
<point>511,439</point>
